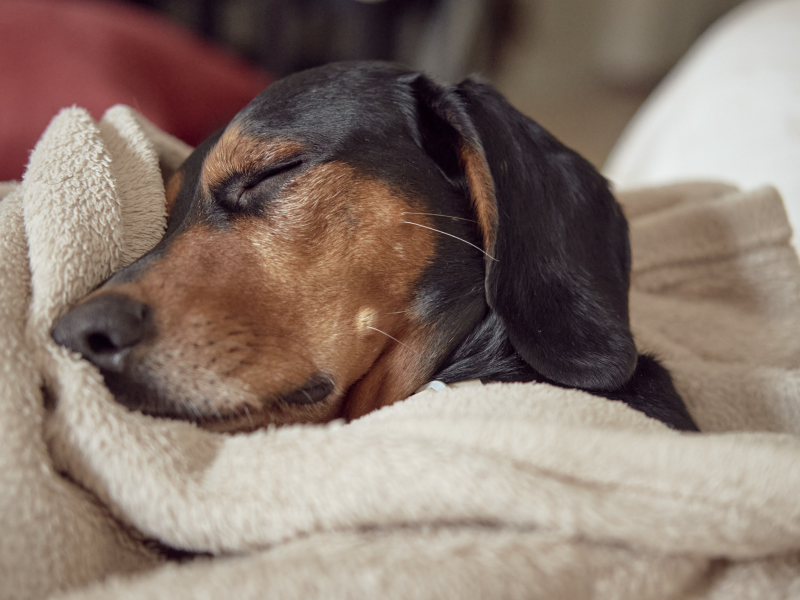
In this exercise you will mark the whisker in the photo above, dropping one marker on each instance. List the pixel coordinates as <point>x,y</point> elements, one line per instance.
<point>399,312</point>
<point>453,236</point>
<point>249,418</point>
<point>389,336</point>
<point>438,215</point>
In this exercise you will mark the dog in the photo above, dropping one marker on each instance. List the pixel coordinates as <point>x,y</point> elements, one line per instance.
<point>356,231</point>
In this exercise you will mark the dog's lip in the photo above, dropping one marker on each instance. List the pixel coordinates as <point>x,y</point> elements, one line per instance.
<point>314,390</point>
<point>241,417</point>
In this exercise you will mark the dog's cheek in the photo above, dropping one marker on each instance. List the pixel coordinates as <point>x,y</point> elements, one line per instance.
<point>363,266</point>
<point>352,257</point>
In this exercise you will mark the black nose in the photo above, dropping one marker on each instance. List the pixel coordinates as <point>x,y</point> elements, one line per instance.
<point>104,330</point>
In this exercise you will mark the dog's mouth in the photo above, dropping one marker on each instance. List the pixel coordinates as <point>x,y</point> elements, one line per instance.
<point>315,390</point>
<point>229,414</point>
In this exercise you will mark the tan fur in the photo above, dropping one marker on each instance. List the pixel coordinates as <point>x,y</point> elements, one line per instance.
<point>482,194</point>
<point>172,188</point>
<point>236,152</point>
<point>255,311</point>
<point>400,370</point>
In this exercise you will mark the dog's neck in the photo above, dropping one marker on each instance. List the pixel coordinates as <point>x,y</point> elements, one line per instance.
<point>486,353</point>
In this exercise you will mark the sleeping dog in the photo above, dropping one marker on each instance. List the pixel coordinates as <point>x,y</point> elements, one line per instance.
<point>356,231</point>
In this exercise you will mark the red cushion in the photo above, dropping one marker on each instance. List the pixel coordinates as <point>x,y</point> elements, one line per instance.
<point>57,53</point>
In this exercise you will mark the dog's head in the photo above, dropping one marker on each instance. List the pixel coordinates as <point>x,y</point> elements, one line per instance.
<point>330,249</point>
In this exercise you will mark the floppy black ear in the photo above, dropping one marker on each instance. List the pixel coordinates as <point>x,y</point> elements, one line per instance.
<point>559,273</point>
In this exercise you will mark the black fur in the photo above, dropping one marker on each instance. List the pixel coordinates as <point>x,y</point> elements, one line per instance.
<point>488,354</point>
<point>556,298</point>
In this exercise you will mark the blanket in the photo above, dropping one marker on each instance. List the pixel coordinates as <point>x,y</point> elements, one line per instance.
<point>475,491</point>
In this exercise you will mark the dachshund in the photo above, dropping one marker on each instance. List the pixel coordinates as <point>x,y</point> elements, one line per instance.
<point>356,231</point>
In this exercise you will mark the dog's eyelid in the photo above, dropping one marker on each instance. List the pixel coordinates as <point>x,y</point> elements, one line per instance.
<point>271,170</point>
<point>246,192</point>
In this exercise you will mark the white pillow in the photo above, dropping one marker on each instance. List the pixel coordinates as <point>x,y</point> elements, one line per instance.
<point>729,111</point>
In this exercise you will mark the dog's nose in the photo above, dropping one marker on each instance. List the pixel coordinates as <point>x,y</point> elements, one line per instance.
<point>104,330</point>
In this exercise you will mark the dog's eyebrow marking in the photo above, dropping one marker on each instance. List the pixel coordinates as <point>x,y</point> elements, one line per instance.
<point>237,152</point>
<point>453,236</point>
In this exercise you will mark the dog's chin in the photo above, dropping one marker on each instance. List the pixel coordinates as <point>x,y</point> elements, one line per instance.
<point>315,401</point>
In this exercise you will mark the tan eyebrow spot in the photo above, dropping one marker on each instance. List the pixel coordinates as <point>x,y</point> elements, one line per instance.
<point>237,152</point>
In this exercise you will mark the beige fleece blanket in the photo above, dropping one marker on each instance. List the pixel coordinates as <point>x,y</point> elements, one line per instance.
<point>495,491</point>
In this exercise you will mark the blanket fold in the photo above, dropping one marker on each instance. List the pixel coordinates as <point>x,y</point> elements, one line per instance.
<point>476,491</point>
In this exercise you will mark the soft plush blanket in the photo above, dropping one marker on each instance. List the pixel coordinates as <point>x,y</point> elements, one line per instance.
<point>477,491</point>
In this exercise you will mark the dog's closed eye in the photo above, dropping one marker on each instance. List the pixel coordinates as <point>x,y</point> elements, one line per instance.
<point>248,194</point>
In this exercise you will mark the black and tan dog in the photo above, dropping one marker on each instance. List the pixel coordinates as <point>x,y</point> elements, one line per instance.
<point>355,232</point>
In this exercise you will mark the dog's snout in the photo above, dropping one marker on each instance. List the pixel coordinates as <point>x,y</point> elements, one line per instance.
<point>104,330</point>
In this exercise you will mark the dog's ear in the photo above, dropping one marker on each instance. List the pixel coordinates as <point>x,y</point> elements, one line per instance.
<point>557,274</point>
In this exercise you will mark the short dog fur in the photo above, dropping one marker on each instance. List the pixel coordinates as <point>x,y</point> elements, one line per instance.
<point>356,231</point>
